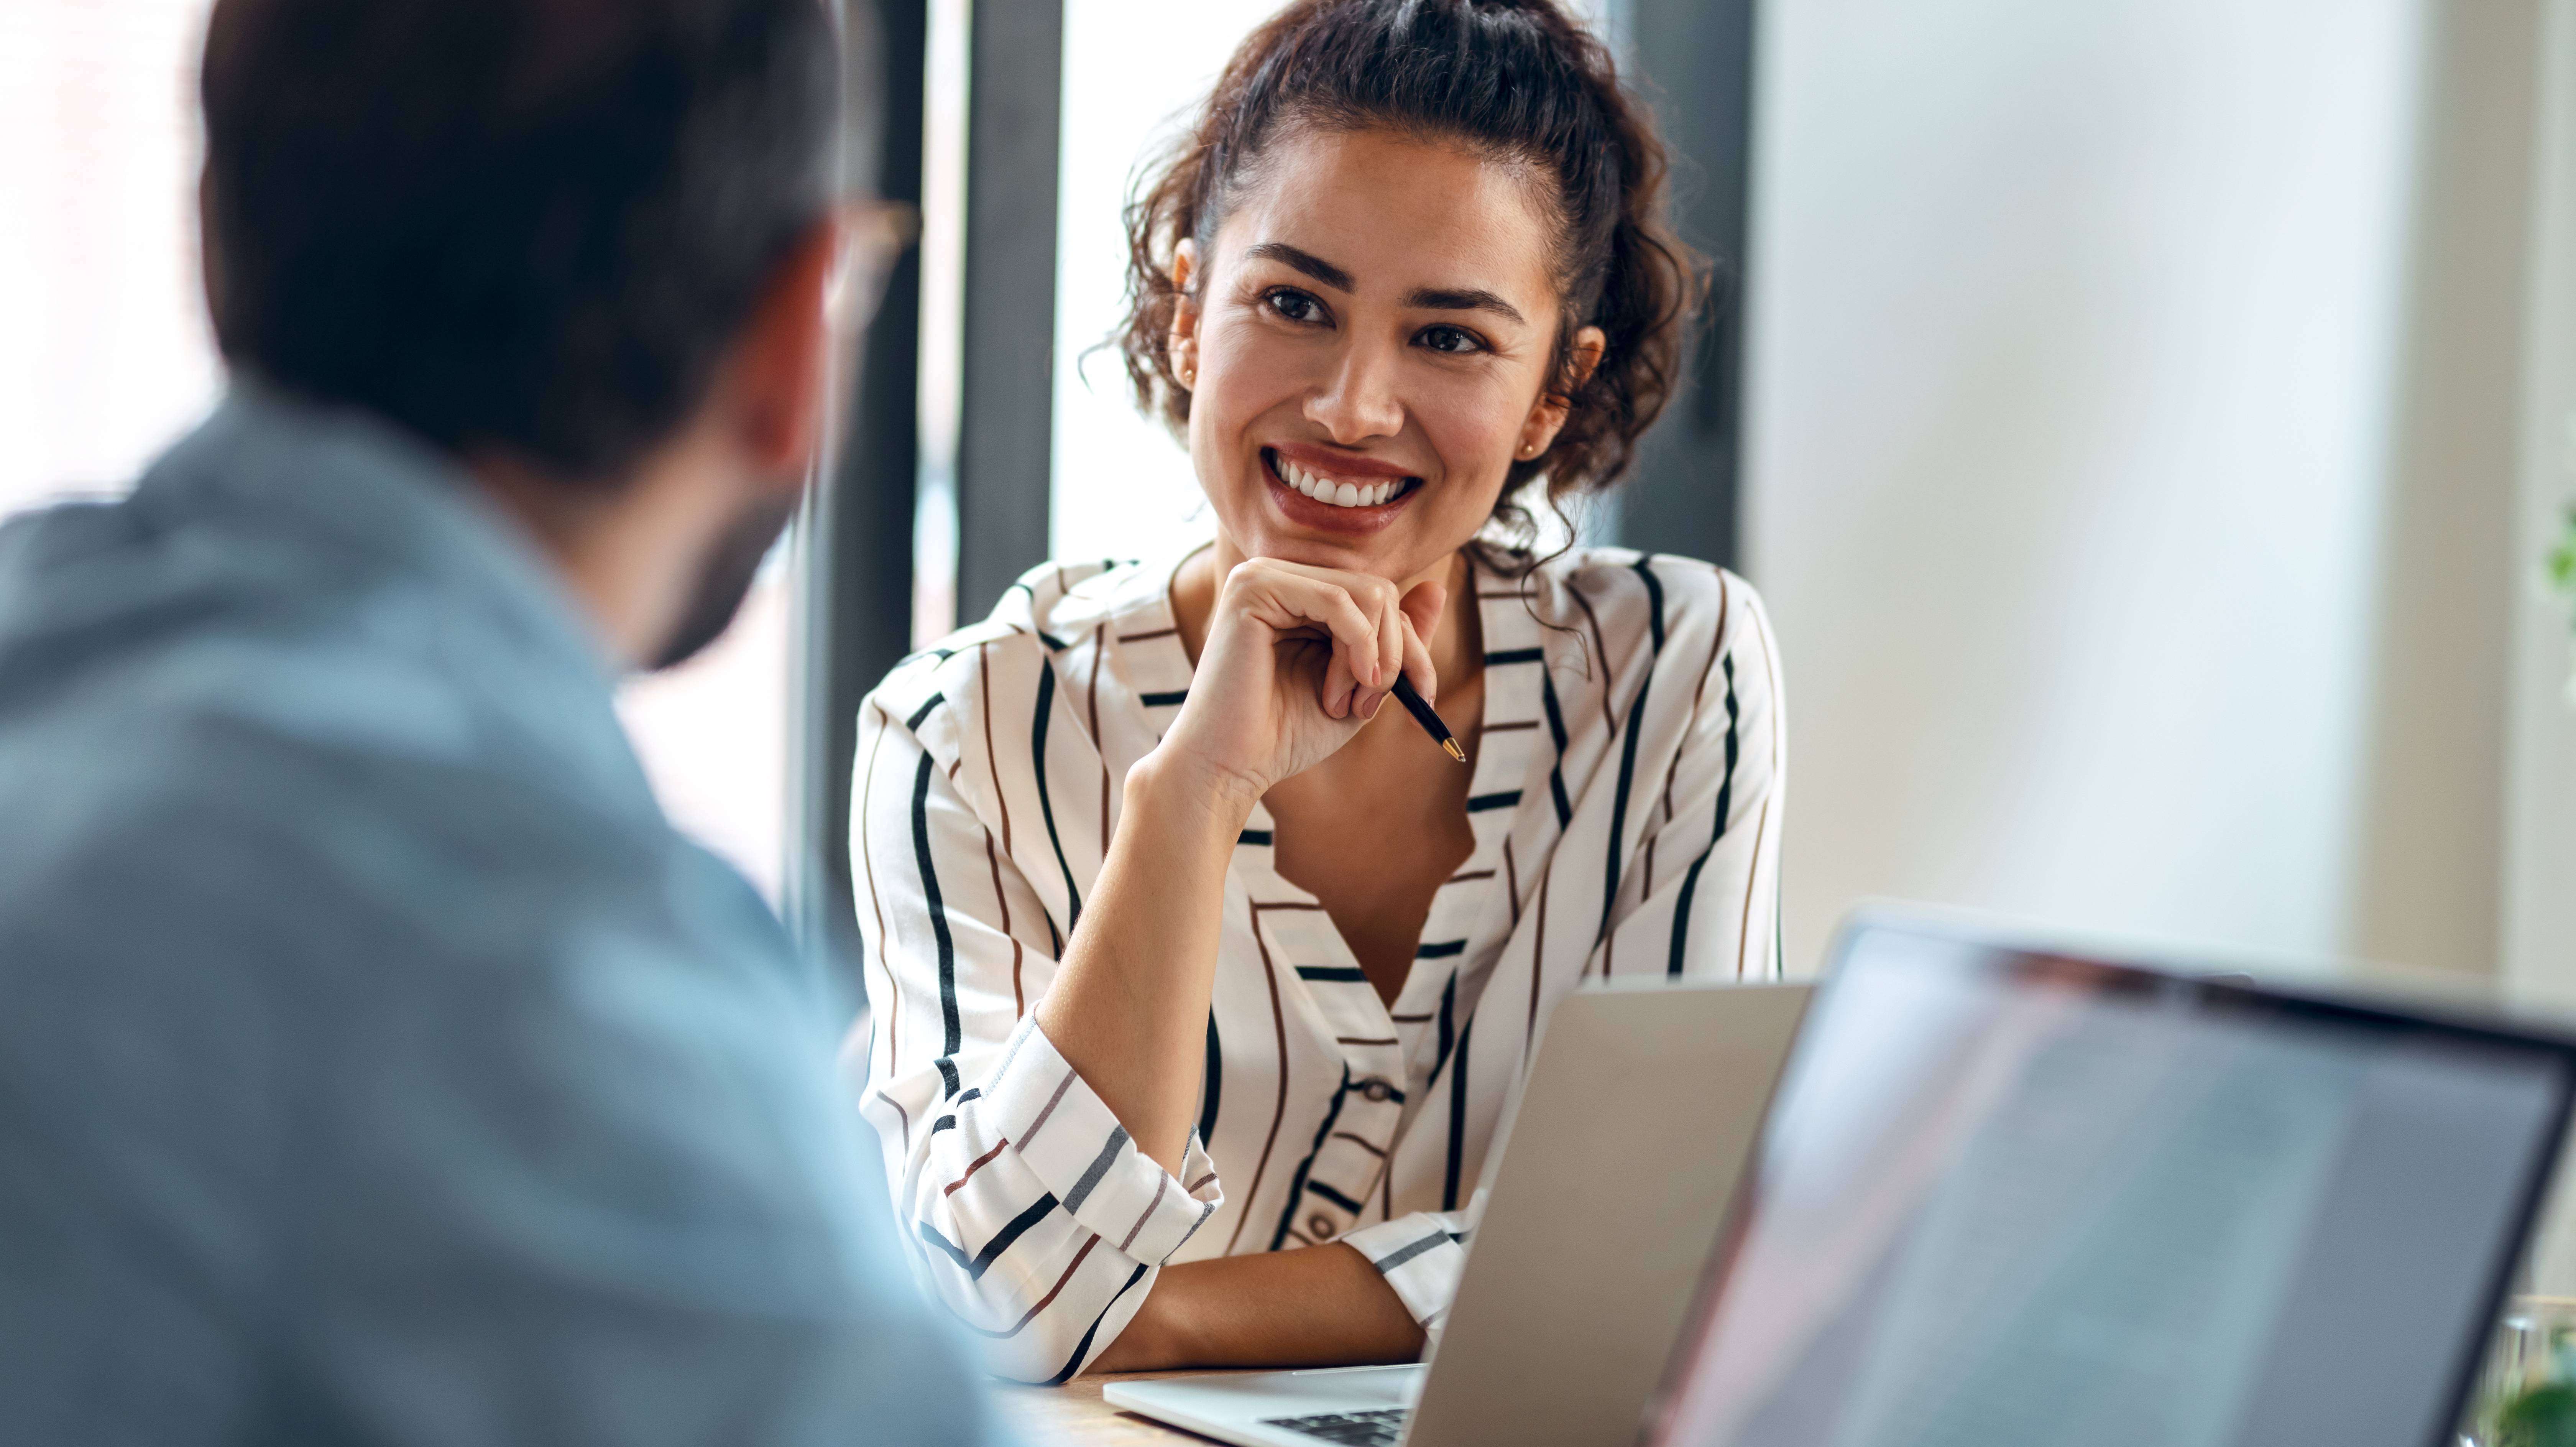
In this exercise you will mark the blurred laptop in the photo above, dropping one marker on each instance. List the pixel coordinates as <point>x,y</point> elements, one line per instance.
<point>2015,1196</point>
<point>1614,1177</point>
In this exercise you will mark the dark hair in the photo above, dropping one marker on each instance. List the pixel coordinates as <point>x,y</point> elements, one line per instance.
<point>532,226</point>
<point>1516,79</point>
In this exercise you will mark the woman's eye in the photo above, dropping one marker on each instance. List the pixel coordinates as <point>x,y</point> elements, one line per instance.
<point>1295,306</point>
<point>1451,339</point>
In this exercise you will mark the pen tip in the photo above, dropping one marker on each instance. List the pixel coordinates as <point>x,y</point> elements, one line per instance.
<point>1455,752</point>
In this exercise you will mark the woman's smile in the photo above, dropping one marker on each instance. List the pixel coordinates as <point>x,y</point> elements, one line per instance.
<point>1313,487</point>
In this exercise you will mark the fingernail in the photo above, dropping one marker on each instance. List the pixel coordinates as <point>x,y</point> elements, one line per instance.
<point>1376,701</point>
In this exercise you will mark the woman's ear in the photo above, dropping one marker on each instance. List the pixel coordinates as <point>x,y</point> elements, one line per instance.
<point>1547,415</point>
<point>1183,343</point>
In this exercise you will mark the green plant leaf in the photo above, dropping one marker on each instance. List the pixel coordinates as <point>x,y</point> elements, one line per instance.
<point>2541,1417</point>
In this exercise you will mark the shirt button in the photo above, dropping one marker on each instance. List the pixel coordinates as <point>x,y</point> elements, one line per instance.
<point>1377,1090</point>
<point>1320,1226</point>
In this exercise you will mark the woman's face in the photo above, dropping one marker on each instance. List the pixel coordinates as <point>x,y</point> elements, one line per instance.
<point>1368,344</point>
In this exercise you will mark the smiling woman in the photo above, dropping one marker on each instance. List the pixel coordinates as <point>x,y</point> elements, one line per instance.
<point>1190,953</point>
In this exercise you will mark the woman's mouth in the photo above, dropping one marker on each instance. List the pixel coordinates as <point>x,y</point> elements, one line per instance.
<point>1353,493</point>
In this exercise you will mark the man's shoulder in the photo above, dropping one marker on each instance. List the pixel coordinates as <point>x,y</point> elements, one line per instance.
<point>285,794</point>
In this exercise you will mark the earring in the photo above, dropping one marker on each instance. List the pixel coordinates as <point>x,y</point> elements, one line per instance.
<point>1189,376</point>
<point>1529,449</point>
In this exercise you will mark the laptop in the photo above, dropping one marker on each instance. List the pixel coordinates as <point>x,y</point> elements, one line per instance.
<point>2015,1194</point>
<point>1619,1158</point>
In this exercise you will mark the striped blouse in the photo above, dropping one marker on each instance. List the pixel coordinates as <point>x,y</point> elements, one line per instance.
<point>1626,813</point>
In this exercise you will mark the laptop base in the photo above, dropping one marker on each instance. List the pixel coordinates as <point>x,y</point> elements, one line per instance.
<point>1247,1408</point>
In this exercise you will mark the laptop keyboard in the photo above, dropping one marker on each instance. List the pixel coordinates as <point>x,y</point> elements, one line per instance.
<point>1383,1427</point>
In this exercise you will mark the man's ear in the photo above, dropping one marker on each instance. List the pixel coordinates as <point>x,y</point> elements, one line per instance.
<point>784,357</point>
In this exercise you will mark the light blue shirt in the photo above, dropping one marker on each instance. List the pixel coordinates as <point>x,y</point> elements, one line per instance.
<point>376,1063</point>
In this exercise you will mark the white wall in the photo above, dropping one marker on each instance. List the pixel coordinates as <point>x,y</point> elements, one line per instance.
<point>2540,890</point>
<point>2076,334</point>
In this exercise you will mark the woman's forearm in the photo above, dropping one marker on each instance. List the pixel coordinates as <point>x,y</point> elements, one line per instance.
<point>1317,1306</point>
<point>1128,1006</point>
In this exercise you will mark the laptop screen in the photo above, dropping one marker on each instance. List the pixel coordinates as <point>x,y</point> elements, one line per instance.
<point>2009,1197</point>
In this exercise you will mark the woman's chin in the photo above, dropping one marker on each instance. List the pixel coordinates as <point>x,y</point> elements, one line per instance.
<point>1394,554</point>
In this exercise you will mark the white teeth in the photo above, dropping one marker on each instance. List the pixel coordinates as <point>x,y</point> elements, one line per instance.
<point>1338,494</point>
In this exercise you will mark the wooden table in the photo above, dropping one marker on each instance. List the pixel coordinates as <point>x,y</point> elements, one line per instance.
<point>1074,1416</point>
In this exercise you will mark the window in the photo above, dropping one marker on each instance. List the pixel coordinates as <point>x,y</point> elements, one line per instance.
<point>713,733</point>
<point>1135,72</point>
<point>105,353</point>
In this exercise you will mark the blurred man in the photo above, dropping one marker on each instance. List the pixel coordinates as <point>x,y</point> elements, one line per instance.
<point>376,1064</point>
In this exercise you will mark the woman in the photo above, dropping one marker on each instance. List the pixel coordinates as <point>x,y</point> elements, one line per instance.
<point>1186,949</point>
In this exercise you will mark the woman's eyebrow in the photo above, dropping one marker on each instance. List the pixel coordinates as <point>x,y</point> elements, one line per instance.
<point>1313,265</point>
<point>1427,298</point>
<point>1470,300</point>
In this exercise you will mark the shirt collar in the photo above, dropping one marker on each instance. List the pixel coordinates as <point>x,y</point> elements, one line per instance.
<point>348,480</point>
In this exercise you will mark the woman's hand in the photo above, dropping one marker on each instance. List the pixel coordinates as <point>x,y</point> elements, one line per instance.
<point>1298,659</point>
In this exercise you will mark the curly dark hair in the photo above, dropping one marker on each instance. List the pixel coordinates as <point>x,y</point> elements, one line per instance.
<point>1516,79</point>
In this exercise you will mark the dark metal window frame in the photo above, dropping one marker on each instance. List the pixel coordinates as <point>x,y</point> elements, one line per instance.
<point>1693,59</point>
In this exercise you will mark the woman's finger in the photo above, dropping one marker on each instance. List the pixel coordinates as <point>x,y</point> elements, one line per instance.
<point>1338,688</point>
<point>1370,594</point>
<point>1355,652</point>
<point>1417,658</point>
<point>1390,640</point>
<point>1292,600</point>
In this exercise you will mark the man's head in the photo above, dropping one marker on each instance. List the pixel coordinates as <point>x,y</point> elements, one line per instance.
<point>567,241</point>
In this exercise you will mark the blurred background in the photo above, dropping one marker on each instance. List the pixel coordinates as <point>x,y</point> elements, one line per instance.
<point>2145,418</point>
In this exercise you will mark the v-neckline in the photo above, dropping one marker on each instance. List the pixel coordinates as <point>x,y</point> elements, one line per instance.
<point>1470,912</point>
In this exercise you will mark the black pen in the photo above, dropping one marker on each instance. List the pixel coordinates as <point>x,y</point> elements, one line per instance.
<point>1430,721</point>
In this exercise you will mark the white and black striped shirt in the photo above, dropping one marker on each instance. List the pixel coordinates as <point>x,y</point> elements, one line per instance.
<point>1626,812</point>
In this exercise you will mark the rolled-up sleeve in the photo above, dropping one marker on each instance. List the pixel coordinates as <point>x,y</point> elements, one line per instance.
<point>1032,1216</point>
<point>1420,1256</point>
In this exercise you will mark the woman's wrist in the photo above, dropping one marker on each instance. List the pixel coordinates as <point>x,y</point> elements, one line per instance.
<point>1317,1306</point>
<point>1148,1344</point>
<point>1181,788</point>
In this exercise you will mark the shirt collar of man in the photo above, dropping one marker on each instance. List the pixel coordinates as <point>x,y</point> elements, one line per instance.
<point>343,479</point>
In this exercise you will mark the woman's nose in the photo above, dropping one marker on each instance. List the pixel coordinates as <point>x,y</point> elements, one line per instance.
<point>1358,400</point>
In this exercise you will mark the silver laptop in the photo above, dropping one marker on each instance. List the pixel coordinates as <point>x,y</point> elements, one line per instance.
<point>1621,1156</point>
<point>2014,1195</point>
